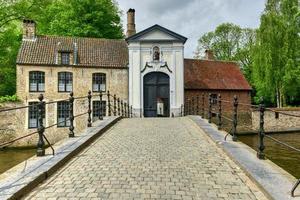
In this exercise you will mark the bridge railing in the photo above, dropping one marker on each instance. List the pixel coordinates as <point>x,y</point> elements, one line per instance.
<point>213,109</point>
<point>115,107</point>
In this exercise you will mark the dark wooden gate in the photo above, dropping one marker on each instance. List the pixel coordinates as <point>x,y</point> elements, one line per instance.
<point>156,88</point>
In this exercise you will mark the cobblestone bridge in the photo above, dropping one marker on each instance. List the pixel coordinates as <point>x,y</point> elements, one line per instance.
<point>152,158</point>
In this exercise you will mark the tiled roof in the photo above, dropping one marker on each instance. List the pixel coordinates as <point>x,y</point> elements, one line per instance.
<point>93,52</point>
<point>212,74</point>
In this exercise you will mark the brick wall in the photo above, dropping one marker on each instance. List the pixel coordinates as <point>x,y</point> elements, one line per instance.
<point>227,95</point>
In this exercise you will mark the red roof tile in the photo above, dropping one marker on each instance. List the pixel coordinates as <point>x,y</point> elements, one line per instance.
<point>93,52</point>
<point>212,74</point>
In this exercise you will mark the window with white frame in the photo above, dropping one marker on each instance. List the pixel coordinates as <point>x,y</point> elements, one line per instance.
<point>36,81</point>
<point>65,81</point>
<point>33,115</point>
<point>63,114</point>
<point>65,58</point>
<point>99,82</point>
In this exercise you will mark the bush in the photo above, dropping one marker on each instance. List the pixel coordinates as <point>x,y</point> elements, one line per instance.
<point>8,98</point>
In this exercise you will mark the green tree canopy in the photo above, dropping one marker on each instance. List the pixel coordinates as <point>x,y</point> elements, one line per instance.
<point>276,71</point>
<point>229,42</point>
<point>84,18</point>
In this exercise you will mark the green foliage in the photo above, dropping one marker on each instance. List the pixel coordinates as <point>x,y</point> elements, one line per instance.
<point>229,42</point>
<point>85,18</point>
<point>8,98</point>
<point>276,63</point>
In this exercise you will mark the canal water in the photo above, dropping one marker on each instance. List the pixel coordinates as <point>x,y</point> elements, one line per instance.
<point>284,157</point>
<point>11,157</point>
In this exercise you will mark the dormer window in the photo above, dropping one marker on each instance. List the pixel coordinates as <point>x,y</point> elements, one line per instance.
<point>156,53</point>
<point>65,58</point>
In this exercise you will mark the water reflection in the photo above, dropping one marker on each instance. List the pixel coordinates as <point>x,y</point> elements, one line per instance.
<point>11,157</point>
<point>284,157</point>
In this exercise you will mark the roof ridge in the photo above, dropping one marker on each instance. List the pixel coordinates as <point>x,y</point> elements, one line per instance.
<point>78,37</point>
<point>223,61</point>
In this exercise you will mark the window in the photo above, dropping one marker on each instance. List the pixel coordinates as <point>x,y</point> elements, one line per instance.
<point>214,98</point>
<point>65,58</point>
<point>96,108</point>
<point>33,115</point>
<point>99,82</point>
<point>156,53</point>
<point>63,114</point>
<point>36,81</point>
<point>65,80</point>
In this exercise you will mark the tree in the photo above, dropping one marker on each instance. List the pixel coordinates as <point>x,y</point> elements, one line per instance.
<point>85,18</point>
<point>229,42</point>
<point>276,71</point>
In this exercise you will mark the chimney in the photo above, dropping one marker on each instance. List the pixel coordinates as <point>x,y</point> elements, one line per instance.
<point>209,55</point>
<point>130,22</point>
<point>29,32</point>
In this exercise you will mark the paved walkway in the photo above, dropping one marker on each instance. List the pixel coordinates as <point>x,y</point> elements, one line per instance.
<point>166,158</point>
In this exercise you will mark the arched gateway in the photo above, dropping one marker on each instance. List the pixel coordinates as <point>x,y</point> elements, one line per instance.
<point>156,95</point>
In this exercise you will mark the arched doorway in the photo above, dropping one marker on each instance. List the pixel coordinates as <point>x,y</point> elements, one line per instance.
<point>156,95</point>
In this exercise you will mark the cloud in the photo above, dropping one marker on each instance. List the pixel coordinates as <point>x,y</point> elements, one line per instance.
<point>193,18</point>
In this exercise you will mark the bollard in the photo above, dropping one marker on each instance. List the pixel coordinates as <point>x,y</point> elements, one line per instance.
<point>209,107</point>
<point>203,111</point>
<point>261,133</point>
<point>235,107</point>
<point>115,105</point>
<point>100,107</point>
<point>109,104</point>
<point>220,112</point>
<point>41,129</point>
<point>71,115</point>
<point>89,109</point>
<point>119,108</point>
<point>197,106</point>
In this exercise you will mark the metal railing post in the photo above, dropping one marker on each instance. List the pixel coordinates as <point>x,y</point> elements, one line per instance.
<point>234,122</point>
<point>209,108</point>
<point>109,104</point>
<point>119,108</point>
<point>193,106</point>
<point>197,106</point>
<point>41,129</point>
<point>188,107</point>
<point>89,109</point>
<point>220,112</point>
<point>71,115</point>
<point>100,112</point>
<point>125,110</point>
<point>261,133</point>
<point>131,111</point>
<point>122,109</point>
<point>181,107</point>
<point>128,110</point>
<point>115,105</point>
<point>203,105</point>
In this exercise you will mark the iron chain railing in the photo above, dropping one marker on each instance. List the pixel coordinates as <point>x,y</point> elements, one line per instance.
<point>206,110</point>
<point>112,107</point>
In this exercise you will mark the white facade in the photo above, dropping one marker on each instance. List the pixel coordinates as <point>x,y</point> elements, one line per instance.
<point>141,62</point>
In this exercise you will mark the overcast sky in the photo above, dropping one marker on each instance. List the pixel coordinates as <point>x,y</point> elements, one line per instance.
<point>192,18</point>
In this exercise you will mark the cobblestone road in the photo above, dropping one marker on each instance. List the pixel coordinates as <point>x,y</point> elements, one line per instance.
<point>168,158</point>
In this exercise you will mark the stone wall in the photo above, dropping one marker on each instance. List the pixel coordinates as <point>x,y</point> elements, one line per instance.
<point>14,124</point>
<point>280,123</point>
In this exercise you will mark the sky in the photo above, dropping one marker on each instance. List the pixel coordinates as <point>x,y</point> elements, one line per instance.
<point>192,18</point>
